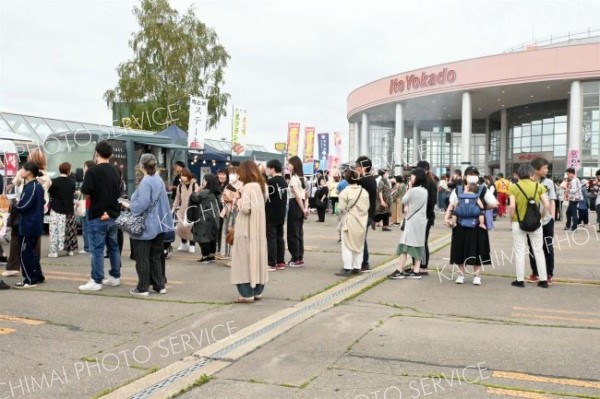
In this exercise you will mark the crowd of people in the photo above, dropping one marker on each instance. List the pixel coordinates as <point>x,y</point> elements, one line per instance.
<point>240,216</point>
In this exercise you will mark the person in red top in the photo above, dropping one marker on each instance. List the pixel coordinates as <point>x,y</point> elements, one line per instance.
<point>502,186</point>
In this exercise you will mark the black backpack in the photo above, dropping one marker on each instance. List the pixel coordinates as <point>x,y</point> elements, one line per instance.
<point>532,220</point>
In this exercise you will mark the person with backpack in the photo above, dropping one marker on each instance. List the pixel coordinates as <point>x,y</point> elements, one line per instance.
<point>184,190</point>
<point>470,245</point>
<point>574,195</point>
<point>469,210</point>
<point>541,170</point>
<point>525,198</point>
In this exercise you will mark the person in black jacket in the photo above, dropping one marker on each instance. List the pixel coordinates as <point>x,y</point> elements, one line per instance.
<point>431,187</point>
<point>368,182</point>
<point>275,209</point>
<point>30,209</point>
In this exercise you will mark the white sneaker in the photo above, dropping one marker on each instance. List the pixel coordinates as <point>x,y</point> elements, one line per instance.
<point>90,286</point>
<point>476,280</point>
<point>192,250</point>
<point>460,279</point>
<point>183,247</point>
<point>10,273</point>
<point>71,253</point>
<point>112,281</point>
<point>82,252</point>
<point>53,255</point>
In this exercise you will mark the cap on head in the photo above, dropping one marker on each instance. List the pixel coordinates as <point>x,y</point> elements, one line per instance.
<point>470,170</point>
<point>423,165</point>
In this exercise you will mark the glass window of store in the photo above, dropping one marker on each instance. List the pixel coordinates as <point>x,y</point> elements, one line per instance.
<point>538,128</point>
<point>590,129</point>
<point>381,145</point>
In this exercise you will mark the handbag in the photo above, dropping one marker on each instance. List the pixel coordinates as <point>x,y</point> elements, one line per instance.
<point>134,225</point>
<point>411,215</point>
<point>230,235</point>
<point>80,206</point>
<point>344,214</point>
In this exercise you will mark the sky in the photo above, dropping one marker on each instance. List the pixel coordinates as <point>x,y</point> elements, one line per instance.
<point>290,61</point>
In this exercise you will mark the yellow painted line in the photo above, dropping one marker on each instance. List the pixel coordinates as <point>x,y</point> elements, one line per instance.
<point>548,380</point>
<point>544,317</point>
<point>21,320</point>
<point>79,276</point>
<point>4,331</point>
<point>558,311</point>
<point>517,394</point>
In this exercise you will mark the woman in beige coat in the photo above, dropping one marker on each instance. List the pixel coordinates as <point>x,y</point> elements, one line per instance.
<point>249,251</point>
<point>354,203</point>
<point>182,199</point>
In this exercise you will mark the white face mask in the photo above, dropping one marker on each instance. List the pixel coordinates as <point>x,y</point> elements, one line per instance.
<point>472,179</point>
<point>233,178</point>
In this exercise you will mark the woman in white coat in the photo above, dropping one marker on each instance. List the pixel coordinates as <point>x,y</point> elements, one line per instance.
<point>412,239</point>
<point>354,208</point>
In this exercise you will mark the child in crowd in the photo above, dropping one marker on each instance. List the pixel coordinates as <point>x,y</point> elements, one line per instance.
<point>473,189</point>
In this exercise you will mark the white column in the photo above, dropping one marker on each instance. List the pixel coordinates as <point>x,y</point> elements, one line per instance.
<point>486,143</point>
<point>416,143</point>
<point>575,116</point>
<point>364,135</point>
<point>356,141</point>
<point>466,131</point>
<point>503,143</point>
<point>399,150</point>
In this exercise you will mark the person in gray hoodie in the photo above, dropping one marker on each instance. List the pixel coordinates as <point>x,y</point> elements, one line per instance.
<point>150,198</point>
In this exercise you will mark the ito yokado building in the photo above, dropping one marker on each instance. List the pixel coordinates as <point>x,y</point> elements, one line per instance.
<point>494,112</point>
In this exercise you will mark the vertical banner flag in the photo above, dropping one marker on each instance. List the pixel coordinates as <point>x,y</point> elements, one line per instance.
<point>239,131</point>
<point>309,144</point>
<point>293,139</point>
<point>323,146</point>
<point>197,122</point>
<point>573,160</point>
<point>11,164</point>
<point>337,153</point>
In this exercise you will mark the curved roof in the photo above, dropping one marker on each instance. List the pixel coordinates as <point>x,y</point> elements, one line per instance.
<point>531,66</point>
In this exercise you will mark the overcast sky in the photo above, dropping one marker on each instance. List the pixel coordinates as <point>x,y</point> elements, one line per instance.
<point>291,61</point>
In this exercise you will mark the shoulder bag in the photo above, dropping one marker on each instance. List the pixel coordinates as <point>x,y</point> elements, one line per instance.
<point>411,215</point>
<point>134,225</point>
<point>344,213</point>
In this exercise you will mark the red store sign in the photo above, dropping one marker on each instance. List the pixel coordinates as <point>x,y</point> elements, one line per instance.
<point>414,82</point>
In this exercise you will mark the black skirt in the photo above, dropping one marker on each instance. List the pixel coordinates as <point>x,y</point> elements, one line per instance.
<point>470,246</point>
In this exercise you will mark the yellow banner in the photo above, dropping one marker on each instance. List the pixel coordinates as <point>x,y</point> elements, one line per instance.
<point>309,144</point>
<point>293,139</point>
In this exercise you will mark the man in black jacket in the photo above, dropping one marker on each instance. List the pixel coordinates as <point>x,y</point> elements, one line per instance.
<point>431,187</point>
<point>275,208</point>
<point>368,182</point>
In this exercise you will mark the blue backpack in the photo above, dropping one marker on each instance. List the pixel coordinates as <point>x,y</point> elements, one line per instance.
<point>467,210</point>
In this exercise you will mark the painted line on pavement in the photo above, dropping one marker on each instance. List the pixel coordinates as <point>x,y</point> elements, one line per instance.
<point>5,331</point>
<point>517,394</point>
<point>21,320</point>
<point>547,317</point>
<point>170,380</point>
<point>547,380</point>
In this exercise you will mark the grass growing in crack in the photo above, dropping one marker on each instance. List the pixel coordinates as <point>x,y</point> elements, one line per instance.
<point>365,289</point>
<point>317,292</point>
<point>307,382</point>
<point>203,379</point>
<point>255,381</point>
<point>110,390</point>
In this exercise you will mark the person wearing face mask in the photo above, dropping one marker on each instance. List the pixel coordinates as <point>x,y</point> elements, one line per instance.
<point>469,246</point>
<point>229,197</point>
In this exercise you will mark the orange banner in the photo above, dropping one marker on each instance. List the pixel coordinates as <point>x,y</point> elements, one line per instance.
<point>309,144</point>
<point>293,140</point>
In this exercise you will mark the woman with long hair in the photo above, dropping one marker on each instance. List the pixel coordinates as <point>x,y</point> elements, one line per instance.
<point>63,229</point>
<point>203,212</point>
<point>229,210</point>
<point>412,239</point>
<point>249,255</point>
<point>297,212</point>
<point>182,199</point>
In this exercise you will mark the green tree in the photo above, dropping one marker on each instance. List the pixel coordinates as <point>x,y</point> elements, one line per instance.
<point>175,56</point>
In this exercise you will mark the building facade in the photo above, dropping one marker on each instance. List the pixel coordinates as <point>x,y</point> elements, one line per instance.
<point>494,112</point>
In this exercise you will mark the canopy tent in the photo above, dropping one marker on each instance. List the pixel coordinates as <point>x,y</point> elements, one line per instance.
<point>175,133</point>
